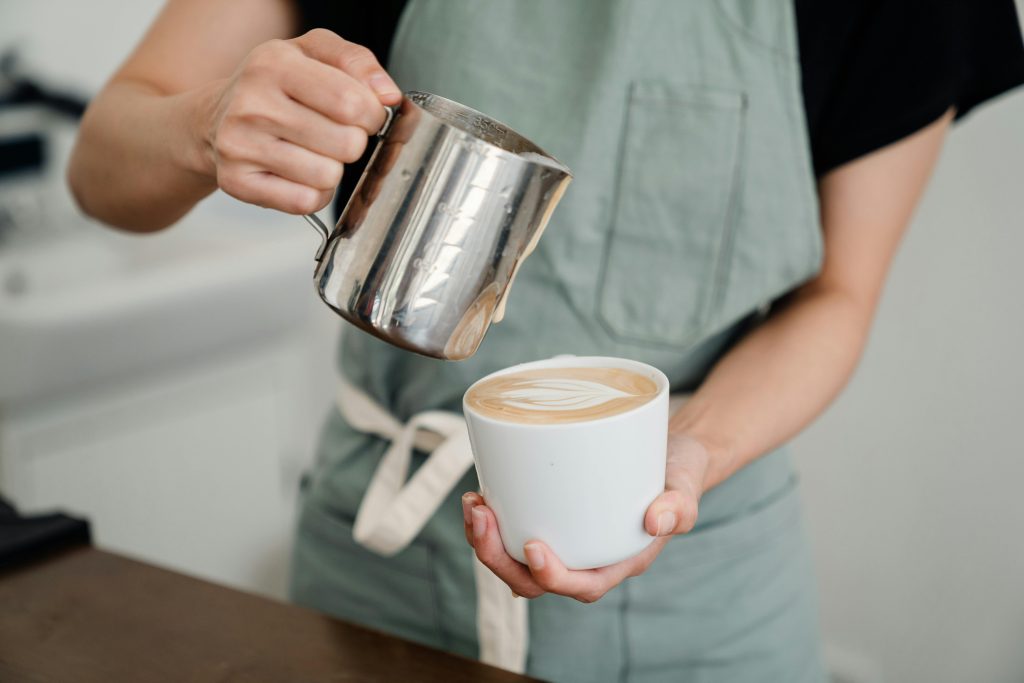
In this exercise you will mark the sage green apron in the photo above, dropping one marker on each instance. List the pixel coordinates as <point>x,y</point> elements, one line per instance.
<point>692,208</point>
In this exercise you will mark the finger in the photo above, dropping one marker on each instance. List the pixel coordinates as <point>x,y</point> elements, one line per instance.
<point>353,59</point>
<point>467,508</point>
<point>491,552</point>
<point>469,501</point>
<point>298,165</point>
<point>636,565</point>
<point>672,512</point>
<point>258,148</point>
<point>312,130</point>
<point>587,585</point>
<point>335,94</point>
<point>552,576</point>
<point>256,186</point>
<point>675,510</point>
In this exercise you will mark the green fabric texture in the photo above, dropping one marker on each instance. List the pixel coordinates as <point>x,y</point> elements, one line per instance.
<point>693,206</point>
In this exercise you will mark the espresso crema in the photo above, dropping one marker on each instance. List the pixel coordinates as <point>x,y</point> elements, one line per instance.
<point>560,395</point>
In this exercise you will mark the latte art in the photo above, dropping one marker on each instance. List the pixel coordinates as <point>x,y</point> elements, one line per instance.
<point>559,395</point>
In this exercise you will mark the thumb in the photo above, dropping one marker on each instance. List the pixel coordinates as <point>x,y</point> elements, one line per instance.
<point>675,510</point>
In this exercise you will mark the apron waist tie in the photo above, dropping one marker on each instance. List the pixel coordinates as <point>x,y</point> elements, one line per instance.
<point>393,511</point>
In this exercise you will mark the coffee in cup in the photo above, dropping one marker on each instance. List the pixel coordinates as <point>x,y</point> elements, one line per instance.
<point>559,395</point>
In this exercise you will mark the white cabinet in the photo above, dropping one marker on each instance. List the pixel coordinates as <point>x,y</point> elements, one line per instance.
<point>168,387</point>
<point>195,469</point>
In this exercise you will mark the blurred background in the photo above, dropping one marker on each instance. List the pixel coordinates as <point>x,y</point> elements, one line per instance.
<point>170,387</point>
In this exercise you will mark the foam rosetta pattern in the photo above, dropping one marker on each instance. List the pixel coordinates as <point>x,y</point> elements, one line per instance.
<point>559,395</point>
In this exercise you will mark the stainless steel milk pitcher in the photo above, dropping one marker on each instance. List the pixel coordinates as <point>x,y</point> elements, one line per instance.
<point>450,204</point>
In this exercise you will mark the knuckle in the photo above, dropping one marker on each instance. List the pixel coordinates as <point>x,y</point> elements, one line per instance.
<point>266,57</point>
<point>275,45</point>
<point>673,498</point>
<point>329,175</point>
<point>589,597</point>
<point>230,182</point>
<point>484,556</point>
<point>244,107</point>
<point>303,200</point>
<point>352,144</point>
<point>318,34</point>
<point>687,516</point>
<point>247,116</point>
<point>357,55</point>
<point>549,585</point>
<point>350,105</point>
<point>228,146</point>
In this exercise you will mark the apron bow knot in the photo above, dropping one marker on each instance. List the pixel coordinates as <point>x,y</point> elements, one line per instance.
<point>393,511</point>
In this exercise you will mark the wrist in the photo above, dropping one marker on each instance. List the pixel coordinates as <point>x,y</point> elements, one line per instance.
<point>199,109</point>
<point>719,446</point>
<point>721,457</point>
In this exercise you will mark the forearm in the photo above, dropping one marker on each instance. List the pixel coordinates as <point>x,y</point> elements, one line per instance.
<point>783,374</point>
<point>141,161</point>
<point>777,380</point>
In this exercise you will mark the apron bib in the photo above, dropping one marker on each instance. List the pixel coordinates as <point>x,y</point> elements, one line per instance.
<point>692,209</point>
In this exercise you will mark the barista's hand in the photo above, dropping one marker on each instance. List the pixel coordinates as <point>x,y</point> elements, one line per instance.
<point>673,512</point>
<point>281,127</point>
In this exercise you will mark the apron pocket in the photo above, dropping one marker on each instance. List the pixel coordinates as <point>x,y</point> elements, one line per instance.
<point>666,256</point>
<point>334,574</point>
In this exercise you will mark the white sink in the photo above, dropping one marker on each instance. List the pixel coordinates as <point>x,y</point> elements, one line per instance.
<point>90,303</point>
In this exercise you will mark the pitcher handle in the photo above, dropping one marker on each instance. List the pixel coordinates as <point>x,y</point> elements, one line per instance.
<point>319,226</point>
<point>314,220</point>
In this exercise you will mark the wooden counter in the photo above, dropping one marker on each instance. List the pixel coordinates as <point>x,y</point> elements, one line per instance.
<point>89,615</point>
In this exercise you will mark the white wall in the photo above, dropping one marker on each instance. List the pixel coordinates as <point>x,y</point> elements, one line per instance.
<point>912,478</point>
<point>73,42</point>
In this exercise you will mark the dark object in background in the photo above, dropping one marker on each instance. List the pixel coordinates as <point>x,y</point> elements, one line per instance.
<point>16,89</point>
<point>27,538</point>
<point>26,151</point>
<point>22,153</point>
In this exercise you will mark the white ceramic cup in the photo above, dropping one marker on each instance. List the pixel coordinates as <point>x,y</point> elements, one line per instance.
<point>580,487</point>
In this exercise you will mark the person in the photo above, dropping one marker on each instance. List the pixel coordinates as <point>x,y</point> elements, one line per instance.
<point>744,173</point>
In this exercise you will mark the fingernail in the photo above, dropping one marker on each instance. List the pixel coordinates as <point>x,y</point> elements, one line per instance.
<point>479,523</point>
<point>516,595</point>
<point>666,523</point>
<point>383,85</point>
<point>467,499</point>
<point>534,556</point>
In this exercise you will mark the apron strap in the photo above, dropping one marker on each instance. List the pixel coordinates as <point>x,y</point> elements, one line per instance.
<point>502,621</point>
<point>394,511</point>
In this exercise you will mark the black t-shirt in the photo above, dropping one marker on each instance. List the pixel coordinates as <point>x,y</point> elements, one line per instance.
<point>873,71</point>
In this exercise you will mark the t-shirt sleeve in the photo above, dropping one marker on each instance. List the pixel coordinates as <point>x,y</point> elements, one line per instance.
<point>371,24</point>
<point>875,71</point>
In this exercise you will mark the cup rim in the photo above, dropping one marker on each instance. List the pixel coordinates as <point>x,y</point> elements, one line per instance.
<point>420,99</point>
<point>575,361</point>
